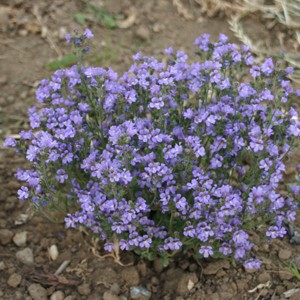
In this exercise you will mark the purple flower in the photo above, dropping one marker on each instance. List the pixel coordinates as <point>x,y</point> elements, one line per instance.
<point>61,176</point>
<point>88,34</point>
<point>225,249</point>
<point>145,241</point>
<point>109,246</point>
<point>23,193</point>
<point>245,90</point>
<point>267,67</point>
<point>10,142</point>
<point>252,263</point>
<point>203,42</point>
<point>240,238</point>
<point>172,244</point>
<point>206,251</point>
<point>68,38</point>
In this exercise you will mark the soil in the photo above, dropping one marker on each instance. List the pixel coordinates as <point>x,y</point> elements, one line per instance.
<point>40,259</point>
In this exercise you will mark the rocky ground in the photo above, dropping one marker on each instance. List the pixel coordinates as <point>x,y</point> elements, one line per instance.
<point>40,259</point>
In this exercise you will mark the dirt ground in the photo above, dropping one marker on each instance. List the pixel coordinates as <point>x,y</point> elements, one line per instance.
<point>31,45</point>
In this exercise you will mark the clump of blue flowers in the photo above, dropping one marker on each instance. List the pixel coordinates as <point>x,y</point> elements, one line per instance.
<point>168,157</point>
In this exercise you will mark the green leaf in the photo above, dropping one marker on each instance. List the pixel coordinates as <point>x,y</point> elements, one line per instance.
<point>79,18</point>
<point>109,22</point>
<point>66,61</point>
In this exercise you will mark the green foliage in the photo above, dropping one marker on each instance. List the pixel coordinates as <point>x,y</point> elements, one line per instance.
<point>64,62</point>
<point>98,15</point>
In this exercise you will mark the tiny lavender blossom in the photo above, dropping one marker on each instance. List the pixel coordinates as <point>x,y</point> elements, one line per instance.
<point>185,156</point>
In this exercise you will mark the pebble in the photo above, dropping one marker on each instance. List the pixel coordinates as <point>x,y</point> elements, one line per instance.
<point>37,292</point>
<point>143,33</point>
<point>110,296</point>
<point>57,295</point>
<point>25,256</point>
<point>3,79</point>
<point>264,277</point>
<point>285,274</point>
<point>193,267</point>
<point>131,276</point>
<point>70,297</point>
<point>140,293</point>
<point>14,280</point>
<point>186,283</point>
<point>142,268</point>
<point>53,252</point>
<point>18,295</point>
<point>214,267</point>
<point>2,266</point>
<point>84,289</point>
<point>227,296</point>
<point>115,289</point>
<point>157,27</point>
<point>284,254</point>
<point>157,265</point>
<point>20,239</point>
<point>5,236</point>
<point>295,296</point>
<point>23,32</point>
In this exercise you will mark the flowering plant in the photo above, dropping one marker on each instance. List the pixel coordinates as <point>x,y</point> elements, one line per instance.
<point>168,157</point>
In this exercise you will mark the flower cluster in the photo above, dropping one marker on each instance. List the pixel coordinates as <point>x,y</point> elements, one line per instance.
<point>168,157</point>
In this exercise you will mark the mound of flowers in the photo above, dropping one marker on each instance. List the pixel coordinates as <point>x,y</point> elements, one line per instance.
<point>168,157</point>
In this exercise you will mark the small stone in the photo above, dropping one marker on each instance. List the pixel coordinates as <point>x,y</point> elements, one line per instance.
<point>84,289</point>
<point>37,292</point>
<point>284,254</point>
<point>285,274</point>
<point>14,280</point>
<point>154,280</point>
<point>2,266</point>
<point>242,284</point>
<point>110,296</point>
<point>227,296</point>
<point>3,79</point>
<point>53,252</point>
<point>131,276</point>
<point>221,273</point>
<point>57,295</point>
<point>265,248</point>
<point>193,267</point>
<point>115,288</point>
<point>157,265</point>
<point>20,239</point>
<point>5,236</point>
<point>140,293</point>
<point>280,289</point>
<point>295,296</point>
<point>62,33</point>
<point>214,296</point>
<point>186,283</point>
<point>25,256</point>
<point>264,277</point>
<point>18,295</point>
<point>157,27</point>
<point>23,32</point>
<point>142,268</point>
<point>70,297</point>
<point>143,33</point>
<point>214,267</point>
